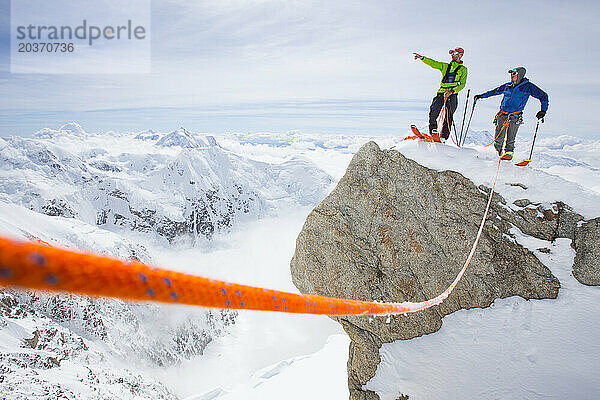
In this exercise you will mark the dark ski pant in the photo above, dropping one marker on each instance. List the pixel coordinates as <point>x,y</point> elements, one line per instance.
<point>511,133</point>
<point>434,113</point>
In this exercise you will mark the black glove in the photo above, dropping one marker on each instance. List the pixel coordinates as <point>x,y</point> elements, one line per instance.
<point>477,97</point>
<point>541,114</point>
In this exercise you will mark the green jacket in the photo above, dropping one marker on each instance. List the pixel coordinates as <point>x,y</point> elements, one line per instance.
<point>457,82</point>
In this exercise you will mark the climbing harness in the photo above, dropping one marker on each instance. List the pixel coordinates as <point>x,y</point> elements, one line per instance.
<point>449,79</point>
<point>505,124</point>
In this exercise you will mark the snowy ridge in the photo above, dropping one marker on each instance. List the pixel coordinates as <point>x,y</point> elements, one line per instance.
<point>185,139</point>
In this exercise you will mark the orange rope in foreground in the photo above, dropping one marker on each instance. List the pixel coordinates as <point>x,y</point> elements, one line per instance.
<point>37,266</point>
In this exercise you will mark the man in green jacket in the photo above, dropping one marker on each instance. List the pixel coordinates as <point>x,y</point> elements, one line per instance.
<point>454,79</point>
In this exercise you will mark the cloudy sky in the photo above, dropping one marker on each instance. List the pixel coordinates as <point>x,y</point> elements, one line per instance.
<point>320,66</point>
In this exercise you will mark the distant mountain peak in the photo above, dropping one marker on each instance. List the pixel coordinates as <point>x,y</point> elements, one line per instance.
<point>181,137</point>
<point>147,134</point>
<point>70,128</point>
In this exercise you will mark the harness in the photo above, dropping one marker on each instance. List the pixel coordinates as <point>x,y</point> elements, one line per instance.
<point>518,114</point>
<point>449,79</point>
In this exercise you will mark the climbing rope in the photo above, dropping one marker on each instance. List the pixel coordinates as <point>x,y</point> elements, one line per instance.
<point>39,266</point>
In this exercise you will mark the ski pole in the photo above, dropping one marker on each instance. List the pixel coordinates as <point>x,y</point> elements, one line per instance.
<point>534,135</point>
<point>525,162</point>
<point>469,124</point>
<point>462,125</point>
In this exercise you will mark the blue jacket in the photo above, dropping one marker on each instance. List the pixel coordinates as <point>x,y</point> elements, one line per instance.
<point>516,97</point>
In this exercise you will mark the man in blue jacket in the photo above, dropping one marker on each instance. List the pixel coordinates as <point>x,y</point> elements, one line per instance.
<point>516,93</point>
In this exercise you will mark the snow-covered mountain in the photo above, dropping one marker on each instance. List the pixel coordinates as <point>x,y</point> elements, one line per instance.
<point>129,195</point>
<point>176,185</point>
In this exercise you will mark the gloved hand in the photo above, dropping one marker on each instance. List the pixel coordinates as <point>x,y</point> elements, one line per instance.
<point>418,56</point>
<point>541,114</point>
<point>477,97</point>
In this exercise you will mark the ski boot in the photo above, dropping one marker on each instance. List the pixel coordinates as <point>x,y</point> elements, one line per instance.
<point>435,136</point>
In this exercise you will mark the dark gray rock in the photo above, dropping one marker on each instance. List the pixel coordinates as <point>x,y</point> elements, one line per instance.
<point>393,230</point>
<point>547,223</point>
<point>59,208</point>
<point>586,242</point>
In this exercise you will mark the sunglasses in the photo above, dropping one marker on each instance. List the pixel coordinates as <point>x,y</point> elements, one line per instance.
<point>513,71</point>
<point>452,52</point>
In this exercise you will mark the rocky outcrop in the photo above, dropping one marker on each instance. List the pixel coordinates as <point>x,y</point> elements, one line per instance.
<point>586,242</point>
<point>538,220</point>
<point>393,230</point>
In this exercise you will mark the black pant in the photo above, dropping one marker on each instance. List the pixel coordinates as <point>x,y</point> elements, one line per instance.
<point>434,113</point>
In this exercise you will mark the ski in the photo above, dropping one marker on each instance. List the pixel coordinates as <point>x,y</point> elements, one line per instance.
<point>416,131</point>
<point>420,135</point>
<point>523,163</point>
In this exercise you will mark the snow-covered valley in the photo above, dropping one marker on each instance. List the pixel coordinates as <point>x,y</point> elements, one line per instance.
<point>230,207</point>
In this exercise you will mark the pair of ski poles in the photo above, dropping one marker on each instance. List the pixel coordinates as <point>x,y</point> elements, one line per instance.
<point>458,139</point>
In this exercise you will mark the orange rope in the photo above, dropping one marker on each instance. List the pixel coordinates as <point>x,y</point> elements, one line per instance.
<point>38,266</point>
<point>441,117</point>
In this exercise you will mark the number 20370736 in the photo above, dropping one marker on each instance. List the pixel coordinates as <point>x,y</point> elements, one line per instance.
<point>43,47</point>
